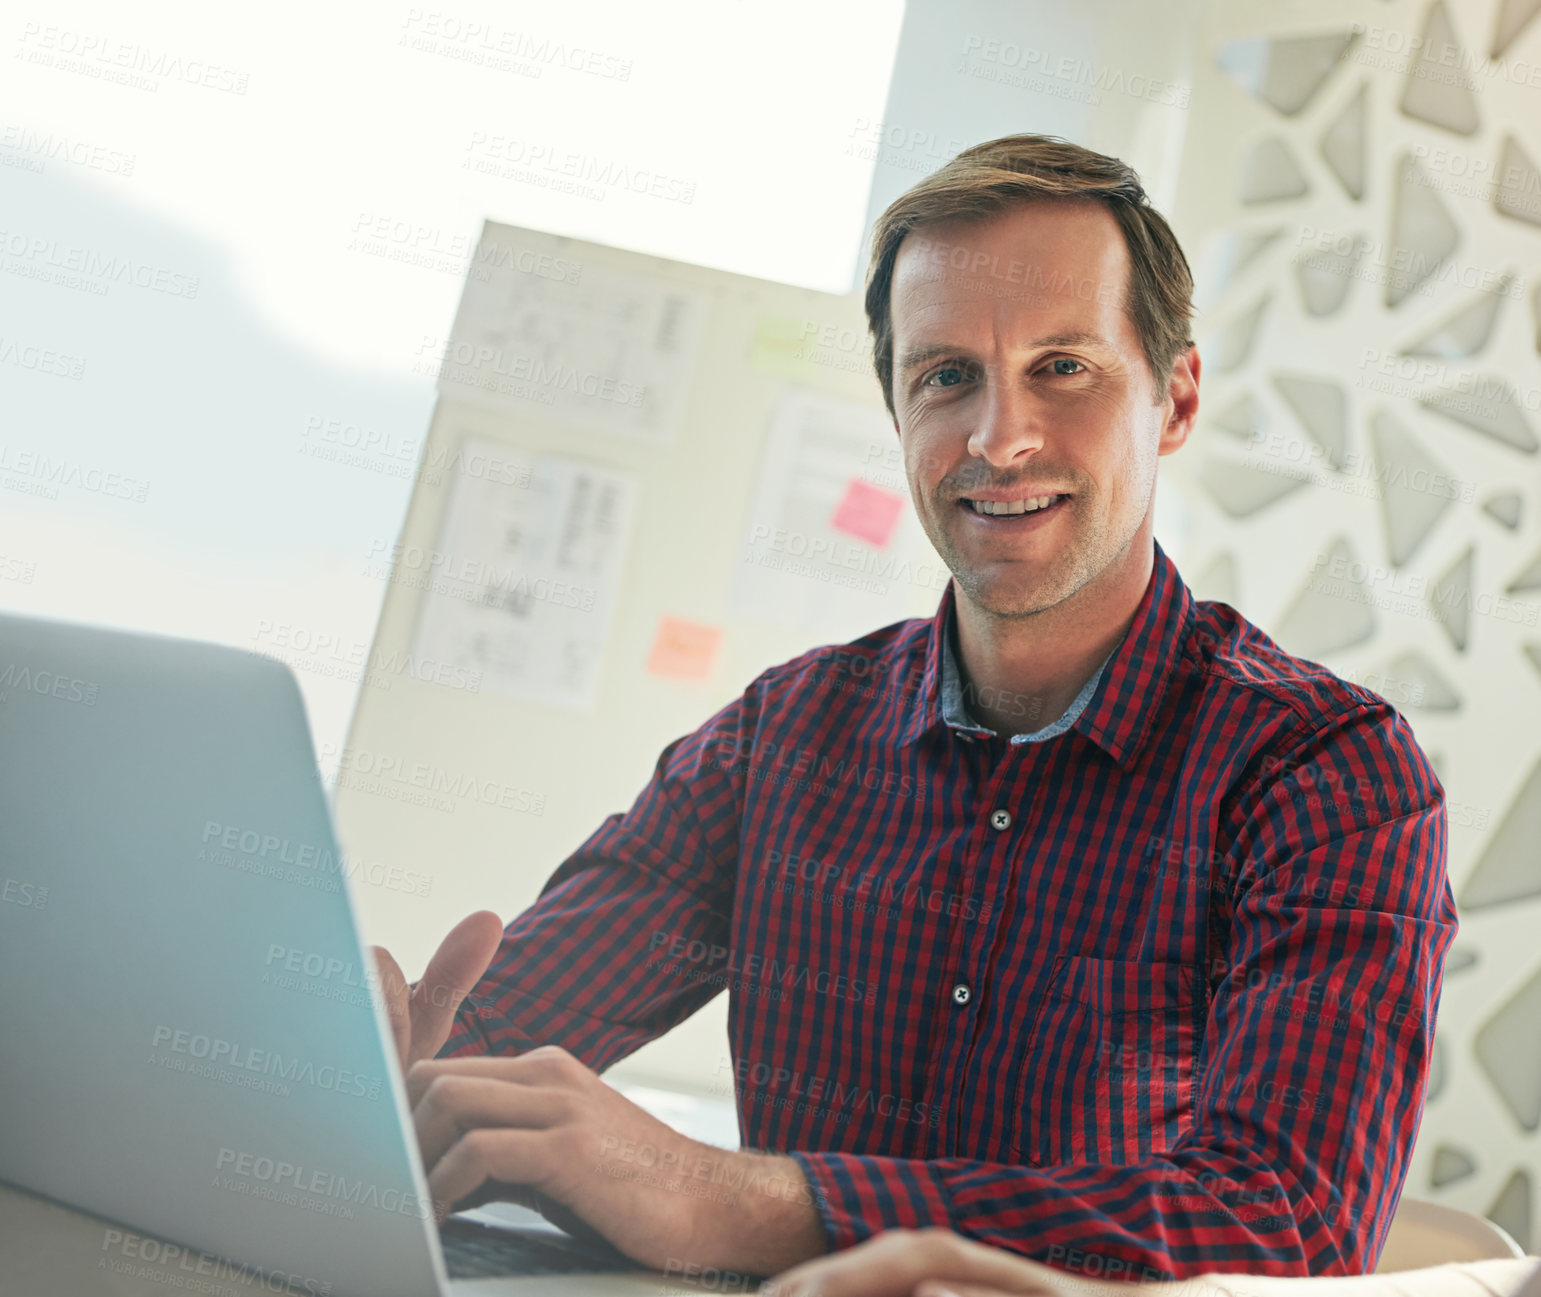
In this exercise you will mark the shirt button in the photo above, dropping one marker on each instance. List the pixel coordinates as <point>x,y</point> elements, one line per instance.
<point>1000,819</point>
<point>961,993</point>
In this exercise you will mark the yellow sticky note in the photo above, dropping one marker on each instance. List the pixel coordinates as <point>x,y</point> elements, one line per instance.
<point>683,650</point>
<point>779,345</point>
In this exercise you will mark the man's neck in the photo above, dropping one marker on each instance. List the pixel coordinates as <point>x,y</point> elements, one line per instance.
<point>1021,674</point>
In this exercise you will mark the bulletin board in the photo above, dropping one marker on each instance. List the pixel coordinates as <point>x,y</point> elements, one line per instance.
<point>644,483</point>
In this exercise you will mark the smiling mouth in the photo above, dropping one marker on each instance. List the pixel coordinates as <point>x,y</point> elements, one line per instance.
<point>1013,508</point>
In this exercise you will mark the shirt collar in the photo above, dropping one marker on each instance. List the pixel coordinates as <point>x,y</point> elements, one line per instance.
<point>1132,681</point>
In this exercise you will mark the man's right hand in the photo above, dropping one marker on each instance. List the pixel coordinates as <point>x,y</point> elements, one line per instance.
<point>422,1016</point>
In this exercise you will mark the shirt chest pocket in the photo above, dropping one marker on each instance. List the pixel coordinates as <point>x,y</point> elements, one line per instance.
<point>1107,1074</point>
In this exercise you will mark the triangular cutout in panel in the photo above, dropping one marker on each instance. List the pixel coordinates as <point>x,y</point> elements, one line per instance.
<point>1231,344</point>
<point>1229,254</point>
<point>1439,88</point>
<point>1423,233</point>
<point>1465,332</point>
<point>1270,174</point>
<point>1460,959</point>
<point>1436,1071</point>
<point>1511,1209</point>
<point>1406,473</point>
<point>1509,868</point>
<point>1450,1165</point>
<point>1505,507</point>
<point>1508,1046</point>
<point>1242,490</point>
<point>1518,191</point>
<point>1487,404</point>
<point>1285,72</point>
<point>1331,611</point>
<point>1326,274</point>
<point>1450,597</point>
<point>1417,682</point>
<point>1344,144</point>
<point>1321,405</point>
<point>1529,578</point>
<point>1243,418</point>
<point>1513,17</point>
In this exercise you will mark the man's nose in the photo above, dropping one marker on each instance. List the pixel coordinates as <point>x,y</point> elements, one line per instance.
<point>1011,423</point>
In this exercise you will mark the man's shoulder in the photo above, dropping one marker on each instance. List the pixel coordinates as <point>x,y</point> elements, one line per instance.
<point>1289,692</point>
<point>1334,756</point>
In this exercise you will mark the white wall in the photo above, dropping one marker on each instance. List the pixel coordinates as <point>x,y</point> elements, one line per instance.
<point>289,197</point>
<point>1321,567</point>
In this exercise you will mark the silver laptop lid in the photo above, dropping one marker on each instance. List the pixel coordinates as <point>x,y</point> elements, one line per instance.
<point>188,1044</point>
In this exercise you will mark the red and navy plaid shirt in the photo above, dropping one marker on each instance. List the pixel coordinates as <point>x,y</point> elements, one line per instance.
<point>1149,998</point>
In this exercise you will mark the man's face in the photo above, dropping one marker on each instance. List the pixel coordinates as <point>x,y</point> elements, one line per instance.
<point>1018,374</point>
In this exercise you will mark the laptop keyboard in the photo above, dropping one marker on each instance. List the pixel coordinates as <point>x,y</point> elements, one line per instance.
<point>476,1251</point>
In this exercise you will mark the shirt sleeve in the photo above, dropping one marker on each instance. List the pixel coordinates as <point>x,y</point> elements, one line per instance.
<point>1310,1080</point>
<point>620,944</point>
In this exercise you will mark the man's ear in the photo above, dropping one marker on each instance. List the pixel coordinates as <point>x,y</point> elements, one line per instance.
<point>1183,394</point>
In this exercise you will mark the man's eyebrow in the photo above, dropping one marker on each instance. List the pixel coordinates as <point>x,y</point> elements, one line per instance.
<point>1072,340</point>
<point>919,355</point>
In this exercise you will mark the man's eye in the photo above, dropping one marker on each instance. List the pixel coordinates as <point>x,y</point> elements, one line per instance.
<point>1065,360</point>
<point>947,376</point>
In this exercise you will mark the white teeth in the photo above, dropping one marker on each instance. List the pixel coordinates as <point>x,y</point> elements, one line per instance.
<point>1014,506</point>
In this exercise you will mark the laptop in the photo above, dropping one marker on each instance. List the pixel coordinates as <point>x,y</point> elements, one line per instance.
<point>188,1045</point>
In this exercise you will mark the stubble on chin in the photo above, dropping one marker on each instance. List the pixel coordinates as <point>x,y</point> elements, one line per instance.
<point>1012,590</point>
<point>1004,598</point>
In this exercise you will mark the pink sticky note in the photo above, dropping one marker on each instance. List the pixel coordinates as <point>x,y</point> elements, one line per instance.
<point>683,650</point>
<point>868,512</point>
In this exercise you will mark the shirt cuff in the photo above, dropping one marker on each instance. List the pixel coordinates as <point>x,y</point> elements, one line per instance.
<point>859,1196</point>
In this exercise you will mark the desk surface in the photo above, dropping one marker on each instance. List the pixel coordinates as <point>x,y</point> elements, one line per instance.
<point>47,1250</point>
<point>52,1251</point>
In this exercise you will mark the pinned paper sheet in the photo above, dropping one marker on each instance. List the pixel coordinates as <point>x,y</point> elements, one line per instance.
<point>826,493</point>
<point>545,337</point>
<point>527,568</point>
<point>868,512</point>
<point>683,650</point>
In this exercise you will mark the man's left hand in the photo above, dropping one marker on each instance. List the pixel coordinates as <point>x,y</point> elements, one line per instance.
<point>544,1123</point>
<point>937,1263</point>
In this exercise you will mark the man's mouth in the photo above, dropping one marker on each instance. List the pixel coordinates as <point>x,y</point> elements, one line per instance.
<point>1033,504</point>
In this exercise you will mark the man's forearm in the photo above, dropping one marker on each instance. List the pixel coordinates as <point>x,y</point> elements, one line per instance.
<point>765,1216</point>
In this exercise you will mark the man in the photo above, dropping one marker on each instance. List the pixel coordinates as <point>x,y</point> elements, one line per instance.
<point>1079,918</point>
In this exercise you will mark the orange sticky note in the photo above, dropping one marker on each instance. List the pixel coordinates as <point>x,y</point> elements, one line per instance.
<point>683,650</point>
<point>868,512</point>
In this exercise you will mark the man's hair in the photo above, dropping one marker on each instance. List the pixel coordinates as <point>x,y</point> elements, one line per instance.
<point>985,180</point>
